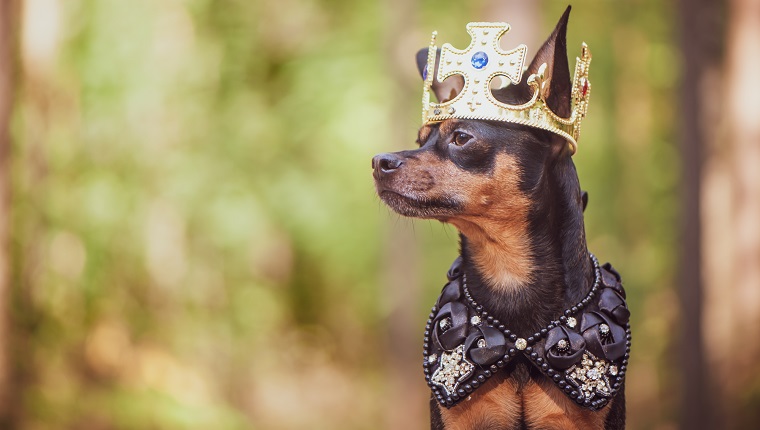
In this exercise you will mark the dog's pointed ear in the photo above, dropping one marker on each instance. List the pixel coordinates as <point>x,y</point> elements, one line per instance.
<point>446,90</point>
<point>557,75</point>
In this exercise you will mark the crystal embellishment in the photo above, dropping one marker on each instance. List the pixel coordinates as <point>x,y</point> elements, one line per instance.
<point>445,323</point>
<point>475,320</point>
<point>432,358</point>
<point>571,322</point>
<point>604,329</point>
<point>521,344</point>
<point>453,369</point>
<point>562,345</point>
<point>482,343</point>
<point>479,60</point>
<point>590,376</point>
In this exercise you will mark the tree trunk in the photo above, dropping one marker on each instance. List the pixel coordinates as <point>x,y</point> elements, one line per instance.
<point>695,39</point>
<point>732,221</point>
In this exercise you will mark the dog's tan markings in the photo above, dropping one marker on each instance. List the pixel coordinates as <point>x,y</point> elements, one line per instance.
<point>547,408</point>
<point>494,213</point>
<point>448,126</point>
<point>495,222</point>
<point>423,134</point>
<point>499,404</point>
<point>495,405</point>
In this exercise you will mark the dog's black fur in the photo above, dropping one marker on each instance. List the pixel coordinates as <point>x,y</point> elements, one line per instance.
<point>541,182</point>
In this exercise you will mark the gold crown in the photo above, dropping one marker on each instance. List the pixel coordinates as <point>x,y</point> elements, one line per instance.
<point>480,63</point>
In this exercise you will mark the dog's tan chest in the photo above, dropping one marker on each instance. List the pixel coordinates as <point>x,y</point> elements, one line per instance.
<point>501,405</point>
<point>497,405</point>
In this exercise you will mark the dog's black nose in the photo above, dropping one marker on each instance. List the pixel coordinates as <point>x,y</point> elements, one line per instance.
<point>386,163</point>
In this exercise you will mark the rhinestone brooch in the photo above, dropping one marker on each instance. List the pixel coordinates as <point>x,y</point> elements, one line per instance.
<point>453,369</point>
<point>590,376</point>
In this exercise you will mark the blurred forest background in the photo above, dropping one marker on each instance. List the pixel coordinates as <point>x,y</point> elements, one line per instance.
<point>190,238</point>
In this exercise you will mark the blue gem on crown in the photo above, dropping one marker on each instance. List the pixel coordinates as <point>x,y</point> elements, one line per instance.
<point>479,60</point>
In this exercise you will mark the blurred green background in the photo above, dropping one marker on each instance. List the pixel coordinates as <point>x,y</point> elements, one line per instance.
<point>196,242</point>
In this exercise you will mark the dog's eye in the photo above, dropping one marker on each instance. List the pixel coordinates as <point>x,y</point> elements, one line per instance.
<point>460,139</point>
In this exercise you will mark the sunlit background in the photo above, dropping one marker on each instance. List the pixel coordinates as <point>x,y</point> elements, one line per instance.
<point>191,237</point>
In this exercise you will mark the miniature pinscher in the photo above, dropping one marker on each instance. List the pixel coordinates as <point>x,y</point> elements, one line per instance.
<point>513,193</point>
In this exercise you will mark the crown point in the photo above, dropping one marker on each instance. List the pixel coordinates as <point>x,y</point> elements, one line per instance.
<point>542,71</point>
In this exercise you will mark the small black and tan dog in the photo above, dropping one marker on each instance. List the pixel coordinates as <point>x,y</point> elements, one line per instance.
<point>513,193</point>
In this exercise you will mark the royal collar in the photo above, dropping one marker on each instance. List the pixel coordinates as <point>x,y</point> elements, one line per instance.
<point>584,352</point>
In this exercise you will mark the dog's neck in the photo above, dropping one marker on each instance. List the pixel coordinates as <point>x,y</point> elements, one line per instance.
<point>554,254</point>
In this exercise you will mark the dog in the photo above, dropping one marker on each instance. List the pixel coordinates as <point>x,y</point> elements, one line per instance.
<point>529,332</point>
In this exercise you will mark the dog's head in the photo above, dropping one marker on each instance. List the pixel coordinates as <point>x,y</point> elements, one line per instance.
<point>468,171</point>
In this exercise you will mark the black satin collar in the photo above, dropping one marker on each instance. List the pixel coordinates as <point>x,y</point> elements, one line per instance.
<point>584,352</point>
